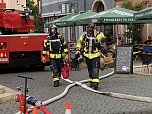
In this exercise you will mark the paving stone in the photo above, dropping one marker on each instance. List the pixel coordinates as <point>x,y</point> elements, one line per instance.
<point>82,101</point>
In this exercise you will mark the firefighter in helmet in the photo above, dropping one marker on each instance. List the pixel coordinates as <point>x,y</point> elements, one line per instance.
<point>89,44</point>
<point>58,51</point>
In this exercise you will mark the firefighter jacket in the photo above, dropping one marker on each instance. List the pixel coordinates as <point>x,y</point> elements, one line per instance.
<point>90,46</point>
<point>56,46</point>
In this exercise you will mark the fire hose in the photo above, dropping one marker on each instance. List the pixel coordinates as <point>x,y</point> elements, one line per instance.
<point>110,94</point>
<point>66,91</point>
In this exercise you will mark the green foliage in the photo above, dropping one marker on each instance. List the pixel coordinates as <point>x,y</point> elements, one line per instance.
<point>108,30</point>
<point>127,4</point>
<point>134,29</point>
<point>137,6</point>
<point>38,21</point>
<point>39,27</point>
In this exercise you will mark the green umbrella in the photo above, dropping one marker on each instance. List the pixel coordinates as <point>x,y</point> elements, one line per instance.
<point>144,14</point>
<point>63,20</point>
<point>71,19</point>
<point>81,16</point>
<point>114,15</point>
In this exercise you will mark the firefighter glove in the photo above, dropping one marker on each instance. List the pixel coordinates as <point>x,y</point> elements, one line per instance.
<point>66,58</point>
<point>43,59</point>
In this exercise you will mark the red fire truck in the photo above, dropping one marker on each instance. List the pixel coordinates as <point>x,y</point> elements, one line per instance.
<point>19,47</point>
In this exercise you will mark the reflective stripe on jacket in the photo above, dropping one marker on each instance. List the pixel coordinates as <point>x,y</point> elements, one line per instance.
<point>56,56</point>
<point>56,47</point>
<point>81,43</point>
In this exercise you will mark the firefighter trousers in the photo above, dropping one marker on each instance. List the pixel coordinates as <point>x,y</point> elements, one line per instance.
<point>93,69</point>
<point>57,65</point>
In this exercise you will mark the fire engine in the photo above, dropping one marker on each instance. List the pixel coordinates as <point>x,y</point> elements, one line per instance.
<point>19,47</point>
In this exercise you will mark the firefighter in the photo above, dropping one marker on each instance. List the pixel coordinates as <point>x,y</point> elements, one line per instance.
<point>89,44</point>
<point>58,51</point>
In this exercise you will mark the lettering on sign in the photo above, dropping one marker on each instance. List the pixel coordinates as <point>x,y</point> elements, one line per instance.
<point>124,61</point>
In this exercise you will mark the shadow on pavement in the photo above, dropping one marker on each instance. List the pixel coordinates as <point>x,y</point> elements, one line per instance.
<point>21,69</point>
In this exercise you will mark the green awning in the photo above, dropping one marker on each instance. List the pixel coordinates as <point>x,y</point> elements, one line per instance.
<point>114,15</point>
<point>144,14</point>
<point>63,20</point>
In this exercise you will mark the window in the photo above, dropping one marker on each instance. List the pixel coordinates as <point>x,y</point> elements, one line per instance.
<point>63,8</point>
<point>18,2</point>
<point>67,8</point>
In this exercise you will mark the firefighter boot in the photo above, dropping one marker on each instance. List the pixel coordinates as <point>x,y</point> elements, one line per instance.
<point>56,83</point>
<point>91,84</point>
<point>95,85</point>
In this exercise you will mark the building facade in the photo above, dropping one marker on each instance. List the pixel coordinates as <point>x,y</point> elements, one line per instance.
<point>13,4</point>
<point>147,28</point>
<point>53,9</point>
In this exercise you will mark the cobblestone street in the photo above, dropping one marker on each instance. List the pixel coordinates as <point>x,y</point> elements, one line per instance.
<point>83,101</point>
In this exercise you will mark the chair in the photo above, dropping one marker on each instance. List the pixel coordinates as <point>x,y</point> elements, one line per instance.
<point>136,51</point>
<point>135,55</point>
<point>147,49</point>
<point>145,58</point>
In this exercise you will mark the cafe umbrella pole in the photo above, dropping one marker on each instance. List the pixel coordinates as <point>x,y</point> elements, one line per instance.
<point>26,78</point>
<point>117,34</point>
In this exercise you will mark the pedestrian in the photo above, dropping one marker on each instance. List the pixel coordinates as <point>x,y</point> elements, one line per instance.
<point>58,51</point>
<point>89,45</point>
<point>149,41</point>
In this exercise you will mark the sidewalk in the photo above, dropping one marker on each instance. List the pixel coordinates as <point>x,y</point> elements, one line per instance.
<point>139,70</point>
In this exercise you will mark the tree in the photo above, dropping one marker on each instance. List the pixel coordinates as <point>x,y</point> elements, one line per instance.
<point>134,29</point>
<point>38,21</point>
<point>137,6</point>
